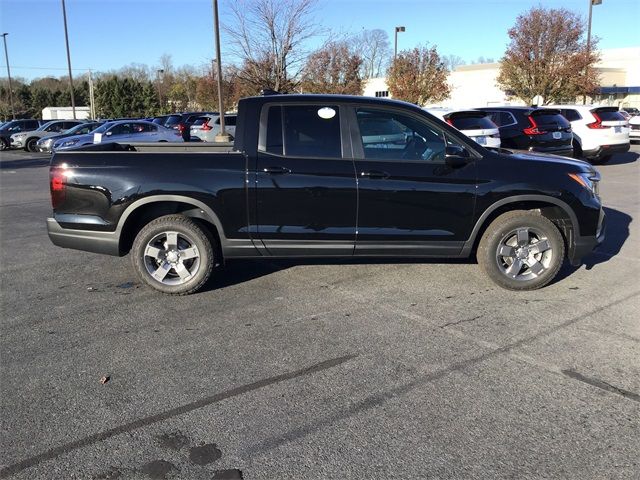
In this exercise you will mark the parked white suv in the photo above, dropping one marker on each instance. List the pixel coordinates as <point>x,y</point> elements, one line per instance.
<point>634,128</point>
<point>598,132</point>
<point>207,127</point>
<point>475,124</point>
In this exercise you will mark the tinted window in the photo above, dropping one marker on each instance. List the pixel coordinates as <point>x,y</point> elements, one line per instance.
<point>173,120</point>
<point>231,121</point>
<point>571,115</point>
<point>609,115</point>
<point>143,128</point>
<point>200,121</point>
<point>121,129</point>
<point>502,118</point>
<point>312,131</point>
<point>31,125</point>
<point>274,131</point>
<point>550,119</point>
<point>54,127</point>
<point>468,122</point>
<point>392,136</point>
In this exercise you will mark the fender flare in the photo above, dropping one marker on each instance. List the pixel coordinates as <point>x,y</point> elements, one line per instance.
<point>209,214</point>
<point>520,198</point>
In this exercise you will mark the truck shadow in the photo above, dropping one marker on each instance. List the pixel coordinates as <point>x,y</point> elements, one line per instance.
<point>24,163</point>
<point>239,271</point>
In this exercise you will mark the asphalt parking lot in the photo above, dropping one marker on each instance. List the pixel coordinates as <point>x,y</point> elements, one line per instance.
<point>348,370</point>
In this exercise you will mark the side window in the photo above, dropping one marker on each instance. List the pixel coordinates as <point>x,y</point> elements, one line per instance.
<point>231,120</point>
<point>274,143</point>
<point>393,136</point>
<point>121,129</point>
<point>54,127</point>
<point>571,115</point>
<point>312,131</point>
<point>31,125</point>
<point>145,128</point>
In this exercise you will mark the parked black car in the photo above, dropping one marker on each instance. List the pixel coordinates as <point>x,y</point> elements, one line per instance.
<point>305,178</point>
<point>534,129</point>
<point>17,126</point>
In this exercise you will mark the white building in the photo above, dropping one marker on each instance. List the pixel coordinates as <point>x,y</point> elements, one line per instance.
<point>476,85</point>
<point>65,113</point>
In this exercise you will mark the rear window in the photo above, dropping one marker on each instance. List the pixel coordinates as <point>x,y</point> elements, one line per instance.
<point>502,118</point>
<point>555,119</point>
<point>471,122</point>
<point>200,121</point>
<point>571,115</point>
<point>609,115</point>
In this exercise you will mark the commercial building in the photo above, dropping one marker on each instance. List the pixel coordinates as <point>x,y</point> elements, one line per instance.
<point>65,113</point>
<point>476,85</point>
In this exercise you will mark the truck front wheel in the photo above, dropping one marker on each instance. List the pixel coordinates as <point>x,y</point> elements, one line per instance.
<point>521,250</point>
<point>174,255</point>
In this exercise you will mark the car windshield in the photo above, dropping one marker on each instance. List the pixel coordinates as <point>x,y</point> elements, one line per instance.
<point>104,127</point>
<point>43,127</point>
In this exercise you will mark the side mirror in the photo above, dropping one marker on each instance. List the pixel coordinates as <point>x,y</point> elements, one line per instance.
<point>456,156</point>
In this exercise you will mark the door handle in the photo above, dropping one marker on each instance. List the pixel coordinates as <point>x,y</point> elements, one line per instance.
<point>375,174</point>
<point>276,170</point>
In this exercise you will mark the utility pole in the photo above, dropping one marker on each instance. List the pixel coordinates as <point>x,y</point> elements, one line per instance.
<point>66,39</point>
<point>6,56</point>
<point>92,100</point>
<point>159,73</point>
<point>395,46</point>
<point>586,68</point>
<point>222,136</point>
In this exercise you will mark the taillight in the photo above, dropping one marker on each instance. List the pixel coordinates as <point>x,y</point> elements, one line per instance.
<point>597,124</point>
<point>58,186</point>
<point>533,129</point>
<point>448,120</point>
<point>206,127</point>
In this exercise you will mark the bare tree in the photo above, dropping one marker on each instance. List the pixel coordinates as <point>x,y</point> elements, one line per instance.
<point>333,68</point>
<point>418,76</point>
<point>452,61</point>
<point>268,37</point>
<point>548,56</point>
<point>374,48</point>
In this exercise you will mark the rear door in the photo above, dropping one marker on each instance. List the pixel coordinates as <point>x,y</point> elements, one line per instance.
<point>305,185</point>
<point>410,202</point>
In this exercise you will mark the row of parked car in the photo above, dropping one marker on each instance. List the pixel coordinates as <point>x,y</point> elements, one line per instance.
<point>593,133</point>
<point>48,136</point>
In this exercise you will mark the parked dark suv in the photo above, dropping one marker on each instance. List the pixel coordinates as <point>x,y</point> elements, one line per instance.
<point>17,126</point>
<point>534,129</point>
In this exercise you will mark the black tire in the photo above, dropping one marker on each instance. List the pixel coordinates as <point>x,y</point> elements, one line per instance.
<point>4,145</point>
<point>30,145</point>
<point>577,149</point>
<point>515,264</point>
<point>150,255</point>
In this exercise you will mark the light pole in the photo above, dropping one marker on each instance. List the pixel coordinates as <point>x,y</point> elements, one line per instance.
<point>6,56</point>
<point>586,68</point>
<point>158,74</point>
<point>222,136</point>
<point>66,39</point>
<point>395,47</point>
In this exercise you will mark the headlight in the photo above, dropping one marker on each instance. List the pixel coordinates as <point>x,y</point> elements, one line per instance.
<point>19,135</point>
<point>590,181</point>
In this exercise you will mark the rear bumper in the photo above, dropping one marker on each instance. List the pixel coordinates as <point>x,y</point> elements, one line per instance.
<point>563,151</point>
<point>88,240</point>
<point>605,150</point>
<point>583,246</point>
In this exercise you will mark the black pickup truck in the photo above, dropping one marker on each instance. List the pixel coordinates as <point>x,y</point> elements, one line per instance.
<point>326,176</point>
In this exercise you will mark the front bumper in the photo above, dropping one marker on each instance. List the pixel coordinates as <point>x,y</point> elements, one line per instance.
<point>88,240</point>
<point>16,143</point>
<point>584,245</point>
<point>605,151</point>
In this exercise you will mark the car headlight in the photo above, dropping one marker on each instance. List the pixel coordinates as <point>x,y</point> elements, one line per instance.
<point>19,136</point>
<point>590,181</point>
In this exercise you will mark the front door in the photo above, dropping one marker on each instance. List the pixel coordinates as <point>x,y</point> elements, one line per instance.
<point>305,182</point>
<point>410,201</point>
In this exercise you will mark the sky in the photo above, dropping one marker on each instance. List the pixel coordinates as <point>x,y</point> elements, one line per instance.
<point>108,34</point>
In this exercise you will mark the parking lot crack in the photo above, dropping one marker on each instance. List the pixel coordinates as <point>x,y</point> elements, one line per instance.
<point>460,321</point>
<point>602,385</point>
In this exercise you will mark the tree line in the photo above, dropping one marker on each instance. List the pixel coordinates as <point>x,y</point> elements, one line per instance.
<point>547,56</point>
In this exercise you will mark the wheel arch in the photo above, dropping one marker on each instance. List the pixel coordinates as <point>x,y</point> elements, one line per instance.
<point>142,211</point>
<point>559,212</point>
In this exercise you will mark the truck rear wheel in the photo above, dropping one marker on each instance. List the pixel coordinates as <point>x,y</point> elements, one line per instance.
<point>174,255</point>
<point>521,250</point>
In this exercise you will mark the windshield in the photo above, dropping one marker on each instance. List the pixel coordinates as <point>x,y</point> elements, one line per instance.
<point>42,127</point>
<point>104,127</point>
